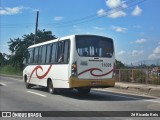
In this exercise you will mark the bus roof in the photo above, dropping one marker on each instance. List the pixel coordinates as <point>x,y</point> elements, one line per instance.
<point>62,38</point>
<point>51,41</point>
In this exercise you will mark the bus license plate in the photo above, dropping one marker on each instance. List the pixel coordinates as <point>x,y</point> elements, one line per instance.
<point>96,83</point>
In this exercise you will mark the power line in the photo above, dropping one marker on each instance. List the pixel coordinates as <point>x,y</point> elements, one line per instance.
<point>82,20</point>
<point>112,11</point>
<point>93,15</point>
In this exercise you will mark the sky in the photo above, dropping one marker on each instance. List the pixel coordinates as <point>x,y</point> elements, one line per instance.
<point>132,24</point>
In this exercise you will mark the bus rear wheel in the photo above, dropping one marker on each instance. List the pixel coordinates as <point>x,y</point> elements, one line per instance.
<point>84,90</point>
<point>51,89</point>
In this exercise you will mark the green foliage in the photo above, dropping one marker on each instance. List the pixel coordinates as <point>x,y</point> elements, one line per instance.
<point>119,65</point>
<point>3,61</point>
<point>155,81</point>
<point>139,76</point>
<point>18,46</point>
<point>10,70</point>
<point>125,75</point>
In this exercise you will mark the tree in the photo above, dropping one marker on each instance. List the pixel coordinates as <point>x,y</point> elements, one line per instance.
<point>18,46</point>
<point>119,64</point>
<point>3,60</point>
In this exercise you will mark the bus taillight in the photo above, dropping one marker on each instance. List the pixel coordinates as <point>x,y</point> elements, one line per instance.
<point>74,69</point>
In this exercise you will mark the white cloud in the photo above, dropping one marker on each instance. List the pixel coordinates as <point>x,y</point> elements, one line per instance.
<point>35,10</point>
<point>130,56</point>
<point>115,11</point>
<point>136,53</point>
<point>113,3</point>
<point>32,9</point>
<point>116,14</point>
<point>11,11</point>
<point>122,52</point>
<point>123,5</point>
<point>101,12</point>
<point>58,18</point>
<point>153,57</point>
<point>116,3</point>
<point>140,41</point>
<point>157,50</point>
<point>155,54</point>
<point>119,29</point>
<point>121,55</point>
<point>98,28</point>
<point>137,11</point>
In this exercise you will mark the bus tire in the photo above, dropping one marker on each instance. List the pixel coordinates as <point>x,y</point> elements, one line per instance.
<point>84,90</point>
<point>51,89</point>
<point>28,86</point>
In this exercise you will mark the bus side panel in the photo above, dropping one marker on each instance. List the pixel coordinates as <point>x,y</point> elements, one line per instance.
<point>38,75</point>
<point>60,76</point>
<point>28,71</point>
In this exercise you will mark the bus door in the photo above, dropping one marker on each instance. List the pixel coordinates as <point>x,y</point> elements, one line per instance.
<point>62,65</point>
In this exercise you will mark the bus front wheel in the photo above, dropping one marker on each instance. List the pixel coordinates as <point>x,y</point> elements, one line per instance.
<point>51,89</point>
<point>84,90</point>
<point>28,86</point>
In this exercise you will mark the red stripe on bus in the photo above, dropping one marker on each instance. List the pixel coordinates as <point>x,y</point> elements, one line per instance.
<point>93,69</point>
<point>39,76</point>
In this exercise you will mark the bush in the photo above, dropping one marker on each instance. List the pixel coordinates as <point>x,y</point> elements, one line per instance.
<point>139,76</point>
<point>9,69</point>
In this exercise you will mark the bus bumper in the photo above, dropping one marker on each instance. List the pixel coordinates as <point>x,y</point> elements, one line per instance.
<point>74,82</point>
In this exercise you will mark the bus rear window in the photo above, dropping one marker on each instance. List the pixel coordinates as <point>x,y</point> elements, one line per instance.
<point>94,46</point>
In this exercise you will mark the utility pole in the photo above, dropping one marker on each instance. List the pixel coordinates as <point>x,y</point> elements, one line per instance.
<point>36,28</point>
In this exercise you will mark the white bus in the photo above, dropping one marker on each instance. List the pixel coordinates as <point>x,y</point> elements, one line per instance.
<point>77,61</point>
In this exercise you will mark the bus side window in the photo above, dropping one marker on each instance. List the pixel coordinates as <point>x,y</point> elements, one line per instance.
<point>36,55</point>
<point>40,54</point>
<point>25,61</point>
<point>60,52</point>
<point>30,57</point>
<point>48,55</point>
<point>66,51</point>
<point>43,58</point>
<point>63,51</point>
<point>54,53</point>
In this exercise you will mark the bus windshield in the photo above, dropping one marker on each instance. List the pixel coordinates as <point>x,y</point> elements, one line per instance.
<point>94,46</point>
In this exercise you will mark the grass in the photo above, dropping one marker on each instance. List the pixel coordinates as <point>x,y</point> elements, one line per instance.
<point>10,70</point>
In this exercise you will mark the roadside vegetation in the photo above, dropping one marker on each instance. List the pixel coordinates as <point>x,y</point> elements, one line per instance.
<point>13,64</point>
<point>10,70</point>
